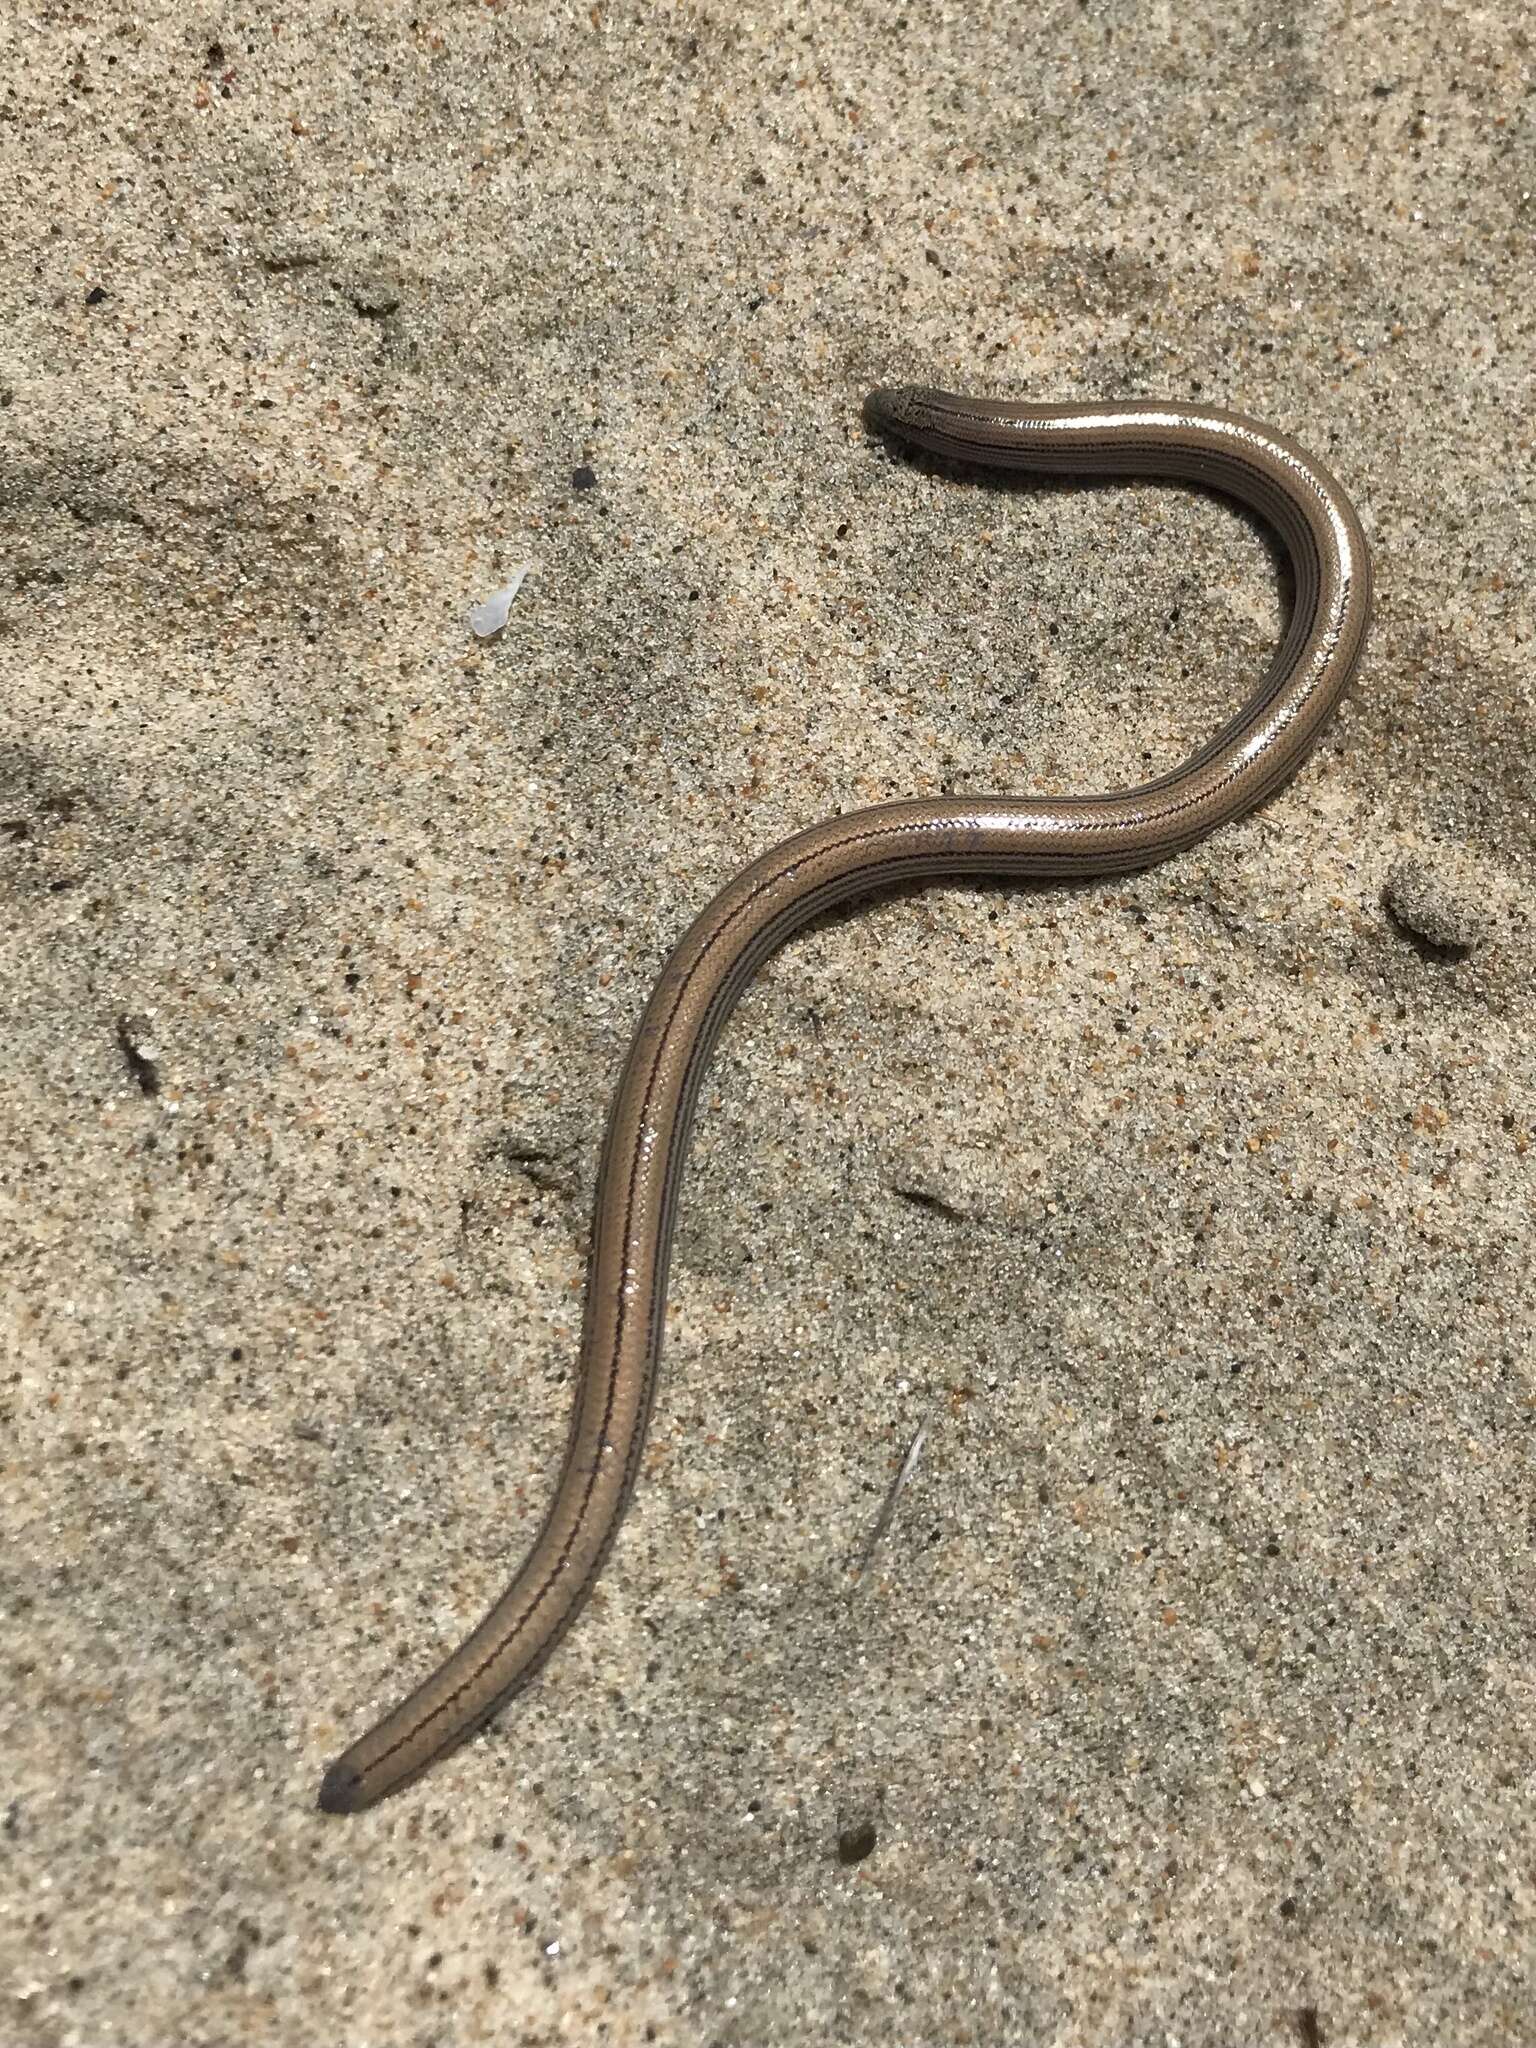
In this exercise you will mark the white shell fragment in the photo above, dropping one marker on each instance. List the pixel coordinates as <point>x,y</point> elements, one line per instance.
<point>488,618</point>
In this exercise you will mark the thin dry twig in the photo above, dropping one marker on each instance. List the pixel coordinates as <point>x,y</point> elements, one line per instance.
<point>908,1464</point>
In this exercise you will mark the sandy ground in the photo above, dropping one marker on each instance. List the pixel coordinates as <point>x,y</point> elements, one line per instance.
<point>1193,1700</point>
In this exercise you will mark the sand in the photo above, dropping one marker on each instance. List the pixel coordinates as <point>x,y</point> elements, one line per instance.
<point>1190,1698</point>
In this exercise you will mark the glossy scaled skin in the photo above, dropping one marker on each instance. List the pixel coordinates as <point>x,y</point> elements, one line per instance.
<point>652,1113</point>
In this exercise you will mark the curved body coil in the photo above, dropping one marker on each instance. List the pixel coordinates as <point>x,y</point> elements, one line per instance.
<point>844,857</point>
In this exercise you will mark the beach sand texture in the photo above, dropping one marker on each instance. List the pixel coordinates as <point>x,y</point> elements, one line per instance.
<point>1190,1697</point>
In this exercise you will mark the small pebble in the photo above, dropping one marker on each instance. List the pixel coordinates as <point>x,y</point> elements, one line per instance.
<point>1429,898</point>
<point>375,297</point>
